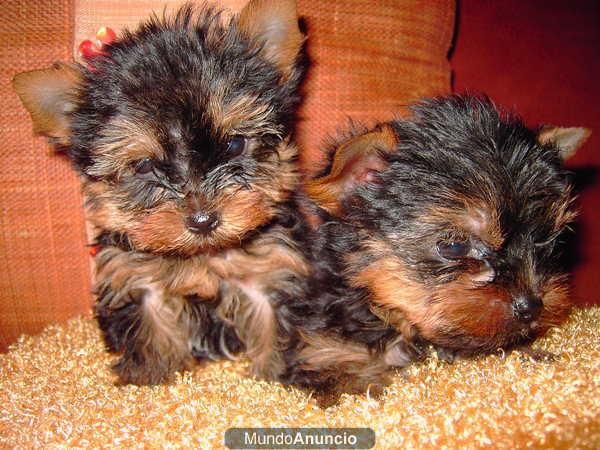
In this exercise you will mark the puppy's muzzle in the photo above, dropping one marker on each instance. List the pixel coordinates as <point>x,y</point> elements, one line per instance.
<point>202,222</point>
<point>527,308</point>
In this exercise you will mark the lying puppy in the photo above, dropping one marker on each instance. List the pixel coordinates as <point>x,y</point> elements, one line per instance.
<point>443,229</point>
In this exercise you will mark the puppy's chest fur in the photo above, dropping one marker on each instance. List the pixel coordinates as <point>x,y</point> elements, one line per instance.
<point>237,288</point>
<point>259,263</point>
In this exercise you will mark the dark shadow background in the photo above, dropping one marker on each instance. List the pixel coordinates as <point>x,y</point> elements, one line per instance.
<point>542,59</point>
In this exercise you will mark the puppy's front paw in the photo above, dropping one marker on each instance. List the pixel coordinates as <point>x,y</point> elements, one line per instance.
<point>117,314</point>
<point>149,329</point>
<point>135,367</point>
<point>447,355</point>
<point>537,355</point>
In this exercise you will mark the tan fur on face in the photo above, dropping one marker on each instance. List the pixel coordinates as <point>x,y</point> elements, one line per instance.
<point>473,218</point>
<point>102,207</point>
<point>281,176</point>
<point>557,303</point>
<point>243,115</point>
<point>398,300</point>
<point>163,229</point>
<point>479,312</point>
<point>122,142</point>
<point>242,212</point>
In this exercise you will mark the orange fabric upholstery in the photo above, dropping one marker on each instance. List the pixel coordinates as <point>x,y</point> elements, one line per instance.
<point>44,275</point>
<point>367,60</point>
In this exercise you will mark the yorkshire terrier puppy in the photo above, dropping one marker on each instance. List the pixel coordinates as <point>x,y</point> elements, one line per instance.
<point>443,229</point>
<point>181,132</point>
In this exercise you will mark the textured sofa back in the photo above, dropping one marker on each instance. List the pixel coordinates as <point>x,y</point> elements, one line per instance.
<point>44,274</point>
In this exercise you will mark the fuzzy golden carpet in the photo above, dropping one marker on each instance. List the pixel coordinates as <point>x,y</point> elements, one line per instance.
<point>56,389</point>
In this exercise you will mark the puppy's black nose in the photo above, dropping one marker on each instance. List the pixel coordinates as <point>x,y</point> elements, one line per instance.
<point>202,222</point>
<point>527,308</point>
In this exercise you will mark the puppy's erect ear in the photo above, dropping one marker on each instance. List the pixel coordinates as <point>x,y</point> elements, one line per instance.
<point>50,97</point>
<point>355,162</point>
<point>274,25</point>
<point>567,140</point>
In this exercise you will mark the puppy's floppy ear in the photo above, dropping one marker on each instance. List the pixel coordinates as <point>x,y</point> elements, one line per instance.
<point>354,163</point>
<point>567,140</point>
<point>274,25</point>
<point>50,97</point>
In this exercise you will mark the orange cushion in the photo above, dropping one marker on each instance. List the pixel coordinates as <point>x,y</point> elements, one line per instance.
<point>44,270</point>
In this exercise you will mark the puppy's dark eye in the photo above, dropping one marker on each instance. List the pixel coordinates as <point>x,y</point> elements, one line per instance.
<point>453,249</point>
<point>144,166</point>
<point>236,146</point>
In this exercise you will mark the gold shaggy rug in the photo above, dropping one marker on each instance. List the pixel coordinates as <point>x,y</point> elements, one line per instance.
<point>56,390</point>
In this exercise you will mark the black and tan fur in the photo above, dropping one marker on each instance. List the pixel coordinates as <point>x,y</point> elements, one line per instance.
<point>181,132</point>
<point>444,229</point>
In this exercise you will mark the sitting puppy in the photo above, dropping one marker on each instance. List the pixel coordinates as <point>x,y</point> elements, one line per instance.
<point>446,230</point>
<point>181,134</point>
